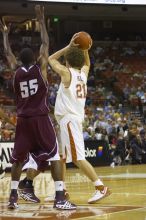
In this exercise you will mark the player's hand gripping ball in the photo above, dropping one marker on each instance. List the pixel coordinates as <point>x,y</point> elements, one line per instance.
<point>83,40</point>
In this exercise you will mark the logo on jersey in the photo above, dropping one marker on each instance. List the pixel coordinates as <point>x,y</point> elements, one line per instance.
<point>79,78</point>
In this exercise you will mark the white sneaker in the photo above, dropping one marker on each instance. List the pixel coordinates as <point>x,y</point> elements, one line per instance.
<point>99,195</point>
<point>50,198</point>
<point>112,164</point>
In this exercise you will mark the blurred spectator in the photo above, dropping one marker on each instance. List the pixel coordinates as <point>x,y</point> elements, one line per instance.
<point>86,134</point>
<point>126,91</point>
<point>134,143</point>
<point>119,153</point>
<point>140,92</point>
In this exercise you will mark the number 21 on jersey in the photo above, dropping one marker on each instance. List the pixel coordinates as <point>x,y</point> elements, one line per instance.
<point>81,90</point>
<point>28,88</point>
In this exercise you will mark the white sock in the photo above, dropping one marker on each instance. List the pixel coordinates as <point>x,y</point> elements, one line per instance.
<point>59,185</point>
<point>14,184</point>
<point>98,183</point>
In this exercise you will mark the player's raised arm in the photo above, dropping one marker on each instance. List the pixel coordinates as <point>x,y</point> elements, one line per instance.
<point>55,63</point>
<point>86,66</point>
<point>43,59</point>
<point>9,54</point>
<point>53,60</point>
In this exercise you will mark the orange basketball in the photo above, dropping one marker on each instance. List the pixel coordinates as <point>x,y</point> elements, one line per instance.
<point>84,40</point>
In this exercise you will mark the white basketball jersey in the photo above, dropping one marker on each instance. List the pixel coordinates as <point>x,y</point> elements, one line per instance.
<point>71,100</point>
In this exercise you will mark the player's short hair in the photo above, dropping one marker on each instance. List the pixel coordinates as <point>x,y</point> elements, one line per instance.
<point>75,57</point>
<point>26,56</point>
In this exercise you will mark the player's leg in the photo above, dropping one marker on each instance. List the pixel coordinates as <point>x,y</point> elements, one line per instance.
<point>101,191</point>
<point>62,161</point>
<point>64,174</point>
<point>26,188</point>
<point>61,202</point>
<point>19,155</point>
<point>31,174</point>
<point>71,131</point>
<point>51,198</point>
<point>56,171</point>
<point>15,176</point>
<point>48,151</point>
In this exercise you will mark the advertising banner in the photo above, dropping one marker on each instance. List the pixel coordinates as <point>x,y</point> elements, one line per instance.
<point>5,152</point>
<point>96,153</point>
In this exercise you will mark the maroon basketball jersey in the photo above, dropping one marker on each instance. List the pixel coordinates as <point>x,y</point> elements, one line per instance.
<point>31,92</point>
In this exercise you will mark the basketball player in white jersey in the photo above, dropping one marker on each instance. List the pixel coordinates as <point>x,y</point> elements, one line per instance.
<point>69,110</point>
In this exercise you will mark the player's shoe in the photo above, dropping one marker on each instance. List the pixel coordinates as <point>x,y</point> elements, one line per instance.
<point>27,193</point>
<point>98,195</point>
<point>64,205</point>
<point>12,204</point>
<point>51,198</point>
<point>2,171</point>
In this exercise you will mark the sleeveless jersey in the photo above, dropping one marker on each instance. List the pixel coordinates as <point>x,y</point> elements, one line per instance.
<point>31,92</point>
<point>71,100</point>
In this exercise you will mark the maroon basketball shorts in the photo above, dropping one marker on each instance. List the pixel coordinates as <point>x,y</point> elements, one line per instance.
<point>34,135</point>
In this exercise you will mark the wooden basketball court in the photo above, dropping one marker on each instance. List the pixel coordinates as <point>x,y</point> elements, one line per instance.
<point>127,201</point>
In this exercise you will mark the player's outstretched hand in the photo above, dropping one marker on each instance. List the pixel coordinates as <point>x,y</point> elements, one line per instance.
<point>39,10</point>
<point>72,41</point>
<point>3,27</point>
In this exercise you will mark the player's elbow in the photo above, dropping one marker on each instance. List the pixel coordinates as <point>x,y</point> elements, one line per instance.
<point>50,60</point>
<point>45,43</point>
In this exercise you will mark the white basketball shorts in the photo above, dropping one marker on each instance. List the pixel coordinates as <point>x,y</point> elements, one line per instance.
<point>71,131</point>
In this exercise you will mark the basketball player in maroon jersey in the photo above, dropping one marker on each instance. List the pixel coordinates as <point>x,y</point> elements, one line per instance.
<point>35,134</point>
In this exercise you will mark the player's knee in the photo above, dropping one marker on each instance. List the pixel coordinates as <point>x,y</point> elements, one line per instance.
<point>77,162</point>
<point>17,164</point>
